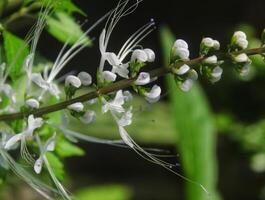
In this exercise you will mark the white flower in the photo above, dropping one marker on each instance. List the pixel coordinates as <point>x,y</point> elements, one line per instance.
<point>85,78</point>
<point>180,44</point>
<point>187,84</point>
<point>150,55</point>
<point>182,53</point>
<point>119,66</point>
<point>208,42</point>
<point>240,35</point>
<point>88,117</point>
<point>49,146</point>
<point>216,45</point>
<point>240,39</point>
<point>139,55</point>
<point>154,94</point>
<point>73,81</point>
<point>114,105</point>
<point>33,123</point>
<point>211,60</point>
<point>33,103</point>
<point>109,76</point>
<point>182,70</point>
<point>216,74</point>
<point>126,118</point>
<point>78,107</point>
<point>143,79</point>
<point>180,49</point>
<point>241,58</point>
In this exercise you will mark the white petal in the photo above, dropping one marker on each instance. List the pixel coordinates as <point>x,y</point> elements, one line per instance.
<point>150,55</point>
<point>34,123</point>
<point>13,140</point>
<point>186,85</point>
<point>240,35</point>
<point>243,43</point>
<point>139,55</point>
<point>112,58</point>
<point>154,93</point>
<point>217,72</point>
<point>211,60</point>
<point>119,98</point>
<point>109,76</point>
<point>181,44</point>
<point>121,70</point>
<point>208,42</point>
<point>38,165</point>
<point>143,79</point>
<point>85,78</point>
<point>33,103</point>
<point>125,137</point>
<point>216,45</point>
<point>182,70</point>
<point>241,58</point>
<point>73,80</point>
<point>88,117</point>
<point>78,107</point>
<point>182,53</point>
<point>38,80</point>
<point>126,119</point>
<point>54,90</point>
<point>27,62</point>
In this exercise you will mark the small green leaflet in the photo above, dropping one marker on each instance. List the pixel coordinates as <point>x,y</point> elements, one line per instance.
<point>16,51</point>
<point>63,27</point>
<point>66,149</point>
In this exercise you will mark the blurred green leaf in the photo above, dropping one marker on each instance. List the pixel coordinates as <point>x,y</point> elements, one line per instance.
<point>63,27</point>
<point>56,165</point>
<point>16,51</point>
<point>107,192</point>
<point>195,131</point>
<point>66,149</point>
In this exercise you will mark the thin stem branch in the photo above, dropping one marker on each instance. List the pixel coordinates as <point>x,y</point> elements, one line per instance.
<point>120,85</point>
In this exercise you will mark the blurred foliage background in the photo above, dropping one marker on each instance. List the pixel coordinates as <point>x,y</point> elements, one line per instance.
<point>217,131</point>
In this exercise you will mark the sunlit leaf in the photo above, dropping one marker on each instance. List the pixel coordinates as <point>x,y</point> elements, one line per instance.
<point>195,131</point>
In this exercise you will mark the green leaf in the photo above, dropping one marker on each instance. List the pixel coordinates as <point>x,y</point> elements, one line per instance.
<point>16,51</point>
<point>66,149</point>
<point>107,192</point>
<point>196,133</point>
<point>63,27</point>
<point>56,165</point>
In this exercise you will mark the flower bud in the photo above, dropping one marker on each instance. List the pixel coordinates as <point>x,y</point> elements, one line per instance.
<point>150,55</point>
<point>216,74</point>
<point>216,45</point>
<point>33,103</point>
<point>186,85</point>
<point>78,107</point>
<point>241,58</point>
<point>208,42</point>
<point>154,94</point>
<point>139,55</point>
<point>182,53</point>
<point>73,81</point>
<point>180,44</point>
<point>143,79</point>
<point>210,60</point>
<point>182,70</point>
<point>85,78</point>
<point>239,40</point>
<point>109,76</point>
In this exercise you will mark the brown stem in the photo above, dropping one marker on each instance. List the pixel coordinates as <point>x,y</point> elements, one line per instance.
<point>119,85</point>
